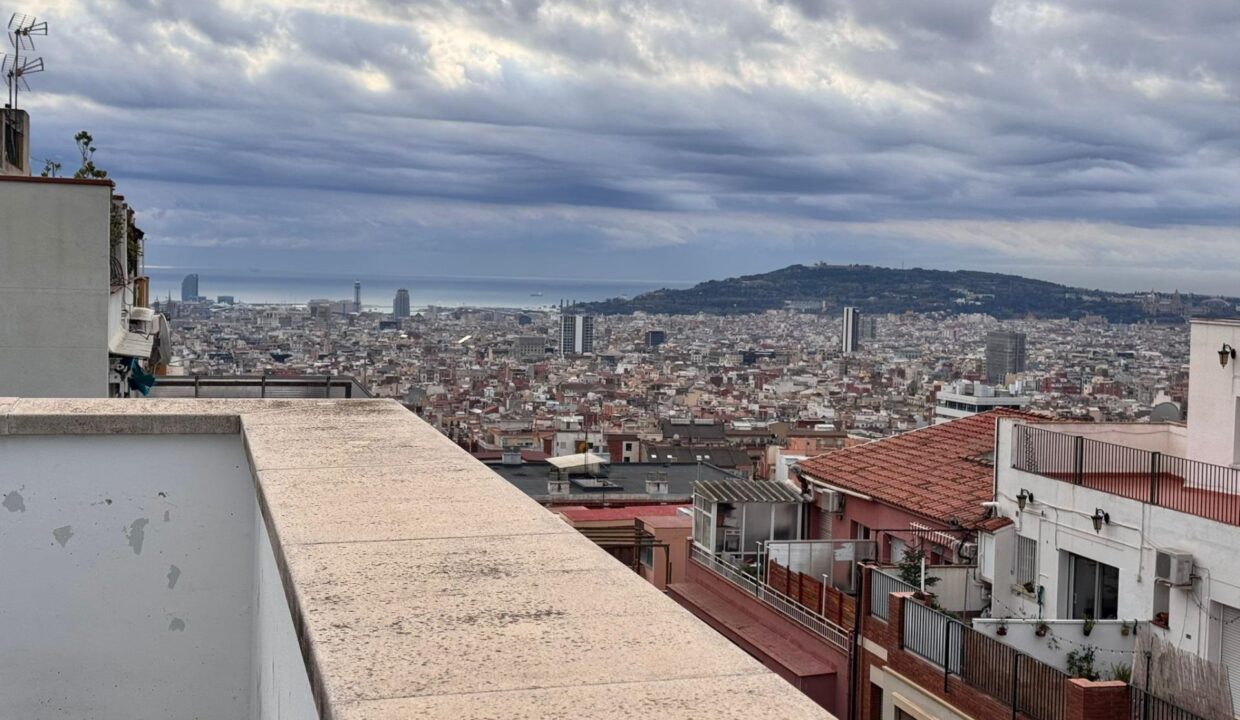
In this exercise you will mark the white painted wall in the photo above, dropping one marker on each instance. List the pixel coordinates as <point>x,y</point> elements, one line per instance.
<point>1165,438</point>
<point>127,577</point>
<point>1111,646</point>
<point>1212,392</point>
<point>1059,521</point>
<point>281,686</point>
<point>54,289</point>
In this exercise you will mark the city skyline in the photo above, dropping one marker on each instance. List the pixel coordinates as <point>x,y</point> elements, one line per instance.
<point>1080,143</point>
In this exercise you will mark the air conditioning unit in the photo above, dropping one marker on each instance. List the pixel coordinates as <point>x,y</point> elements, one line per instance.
<point>830,501</point>
<point>966,552</point>
<point>1174,568</point>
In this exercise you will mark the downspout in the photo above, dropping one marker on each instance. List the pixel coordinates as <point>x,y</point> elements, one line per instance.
<point>854,657</point>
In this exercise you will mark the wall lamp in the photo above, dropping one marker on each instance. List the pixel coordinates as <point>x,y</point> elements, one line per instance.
<point>1023,497</point>
<point>1226,353</point>
<point>1100,518</point>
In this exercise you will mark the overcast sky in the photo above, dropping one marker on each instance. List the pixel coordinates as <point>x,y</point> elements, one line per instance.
<point>1093,142</point>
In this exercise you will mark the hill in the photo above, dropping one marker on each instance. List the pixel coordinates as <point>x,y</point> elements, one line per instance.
<point>886,290</point>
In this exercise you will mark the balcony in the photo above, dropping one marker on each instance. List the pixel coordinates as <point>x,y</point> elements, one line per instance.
<point>1148,476</point>
<point>305,559</point>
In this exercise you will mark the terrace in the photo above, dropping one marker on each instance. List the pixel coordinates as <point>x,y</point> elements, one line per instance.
<point>320,559</point>
<point>1130,471</point>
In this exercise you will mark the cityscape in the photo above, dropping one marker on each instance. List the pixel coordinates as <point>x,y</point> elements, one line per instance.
<point>634,404</point>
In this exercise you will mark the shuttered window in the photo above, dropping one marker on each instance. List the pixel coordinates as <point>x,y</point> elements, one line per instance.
<point>1026,561</point>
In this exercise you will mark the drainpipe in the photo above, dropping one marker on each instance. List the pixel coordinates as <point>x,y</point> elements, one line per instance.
<point>854,657</point>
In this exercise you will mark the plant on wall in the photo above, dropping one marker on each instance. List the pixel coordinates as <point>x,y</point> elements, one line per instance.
<point>1122,672</point>
<point>1081,663</point>
<point>86,146</point>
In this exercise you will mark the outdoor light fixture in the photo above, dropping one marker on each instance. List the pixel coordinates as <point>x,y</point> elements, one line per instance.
<point>1226,353</point>
<point>1100,518</point>
<point>1024,497</point>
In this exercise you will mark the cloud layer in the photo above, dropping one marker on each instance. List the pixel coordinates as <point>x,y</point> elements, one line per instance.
<point>1094,141</point>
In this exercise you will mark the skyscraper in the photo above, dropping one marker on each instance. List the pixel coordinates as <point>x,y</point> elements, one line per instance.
<point>576,334</point>
<point>1005,353</point>
<point>852,329</point>
<point>400,306</point>
<point>189,288</point>
<point>357,296</point>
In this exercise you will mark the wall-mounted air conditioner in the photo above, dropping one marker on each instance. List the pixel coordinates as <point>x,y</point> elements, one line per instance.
<point>830,501</point>
<point>1174,568</point>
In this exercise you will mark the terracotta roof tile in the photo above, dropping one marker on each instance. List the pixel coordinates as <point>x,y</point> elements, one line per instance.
<point>941,472</point>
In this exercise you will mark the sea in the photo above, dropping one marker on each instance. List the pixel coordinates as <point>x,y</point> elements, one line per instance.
<point>378,291</point>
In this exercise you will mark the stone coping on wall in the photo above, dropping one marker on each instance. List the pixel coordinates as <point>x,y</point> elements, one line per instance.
<point>422,584</point>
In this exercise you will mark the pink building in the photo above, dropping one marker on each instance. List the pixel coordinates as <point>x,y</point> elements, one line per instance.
<point>924,488</point>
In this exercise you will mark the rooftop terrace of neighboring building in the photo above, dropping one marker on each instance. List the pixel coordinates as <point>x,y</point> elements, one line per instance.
<point>332,559</point>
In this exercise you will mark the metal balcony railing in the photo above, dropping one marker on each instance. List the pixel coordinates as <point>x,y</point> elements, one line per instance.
<point>1188,486</point>
<point>784,605</point>
<point>258,386</point>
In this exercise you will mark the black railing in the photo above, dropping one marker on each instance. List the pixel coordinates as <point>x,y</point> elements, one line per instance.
<point>1024,684</point>
<point>881,587</point>
<point>1148,707</point>
<point>259,386</point>
<point>1197,488</point>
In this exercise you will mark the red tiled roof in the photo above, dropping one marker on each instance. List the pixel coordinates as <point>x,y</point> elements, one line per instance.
<point>940,472</point>
<point>585,514</point>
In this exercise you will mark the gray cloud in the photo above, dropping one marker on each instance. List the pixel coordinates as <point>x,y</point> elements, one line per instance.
<point>708,136</point>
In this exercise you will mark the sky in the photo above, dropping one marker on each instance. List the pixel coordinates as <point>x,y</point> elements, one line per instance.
<point>1092,142</point>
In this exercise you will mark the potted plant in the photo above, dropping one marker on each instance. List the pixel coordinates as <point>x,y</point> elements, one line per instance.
<point>1001,630</point>
<point>1030,587</point>
<point>1042,629</point>
<point>1088,627</point>
<point>1125,629</point>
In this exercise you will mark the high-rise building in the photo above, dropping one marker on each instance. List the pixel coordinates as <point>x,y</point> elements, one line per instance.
<point>400,306</point>
<point>1005,353</point>
<point>655,338</point>
<point>357,296</point>
<point>189,288</point>
<point>852,329</point>
<point>576,334</point>
<point>869,327</point>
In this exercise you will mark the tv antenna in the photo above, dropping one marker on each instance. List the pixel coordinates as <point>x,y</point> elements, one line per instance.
<point>16,66</point>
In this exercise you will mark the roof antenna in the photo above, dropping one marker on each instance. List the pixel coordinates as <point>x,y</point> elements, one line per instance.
<point>22,29</point>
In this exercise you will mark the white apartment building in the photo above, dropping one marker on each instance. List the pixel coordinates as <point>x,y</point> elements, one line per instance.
<point>74,320</point>
<point>1128,522</point>
<point>964,398</point>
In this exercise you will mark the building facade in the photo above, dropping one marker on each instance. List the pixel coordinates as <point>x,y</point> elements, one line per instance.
<point>1005,354</point>
<point>189,288</point>
<point>400,305</point>
<point>852,330</point>
<point>576,334</point>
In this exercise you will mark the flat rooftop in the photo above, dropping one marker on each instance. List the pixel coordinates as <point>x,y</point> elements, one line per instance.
<point>422,584</point>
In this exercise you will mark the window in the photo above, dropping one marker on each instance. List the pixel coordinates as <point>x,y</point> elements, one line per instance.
<point>647,557</point>
<point>1027,563</point>
<point>1094,589</point>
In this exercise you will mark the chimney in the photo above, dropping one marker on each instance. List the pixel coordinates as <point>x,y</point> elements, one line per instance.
<point>14,142</point>
<point>656,483</point>
<point>511,457</point>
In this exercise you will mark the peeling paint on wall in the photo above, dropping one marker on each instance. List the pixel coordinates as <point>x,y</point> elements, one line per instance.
<point>177,624</point>
<point>167,516</point>
<point>136,534</point>
<point>174,574</point>
<point>62,534</point>
<point>13,502</point>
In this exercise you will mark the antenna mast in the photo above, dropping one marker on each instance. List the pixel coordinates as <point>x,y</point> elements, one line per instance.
<point>15,67</point>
